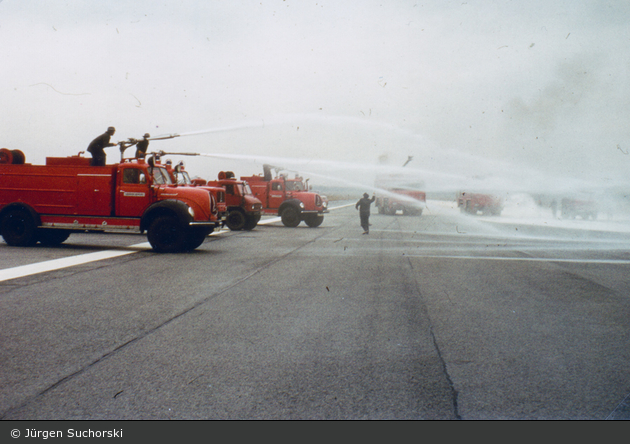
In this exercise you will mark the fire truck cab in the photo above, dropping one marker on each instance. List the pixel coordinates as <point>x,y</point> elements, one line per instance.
<point>180,176</point>
<point>243,208</point>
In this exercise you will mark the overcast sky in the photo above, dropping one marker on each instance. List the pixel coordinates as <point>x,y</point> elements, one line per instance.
<point>506,91</point>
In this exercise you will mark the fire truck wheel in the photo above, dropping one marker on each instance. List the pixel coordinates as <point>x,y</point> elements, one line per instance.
<point>166,235</point>
<point>236,220</point>
<point>252,221</point>
<point>196,236</point>
<point>290,217</point>
<point>313,220</point>
<point>51,238</point>
<point>18,228</point>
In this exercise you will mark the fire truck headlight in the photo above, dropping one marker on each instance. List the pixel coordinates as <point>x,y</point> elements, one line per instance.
<point>302,205</point>
<point>191,212</point>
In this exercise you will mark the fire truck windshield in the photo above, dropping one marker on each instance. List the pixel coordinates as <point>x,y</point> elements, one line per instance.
<point>160,176</point>
<point>183,178</point>
<point>294,186</point>
<point>244,189</point>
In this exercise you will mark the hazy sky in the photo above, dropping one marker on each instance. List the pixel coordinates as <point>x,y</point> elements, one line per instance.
<point>500,90</point>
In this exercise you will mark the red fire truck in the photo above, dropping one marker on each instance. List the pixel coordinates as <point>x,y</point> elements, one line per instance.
<point>243,208</point>
<point>410,202</point>
<point>472,203</point>
<point>288,198</point>
<point>46,203</point>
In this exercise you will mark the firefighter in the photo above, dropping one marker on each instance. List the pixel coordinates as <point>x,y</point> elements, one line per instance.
<point>142,146</point>
<point>95,148</point>
<point>363,205</point>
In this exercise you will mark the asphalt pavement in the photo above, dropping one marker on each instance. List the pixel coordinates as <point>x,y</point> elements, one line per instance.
<point>442,316</point>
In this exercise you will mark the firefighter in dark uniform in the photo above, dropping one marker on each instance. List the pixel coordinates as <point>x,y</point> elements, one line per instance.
<point>363,205</point>
<point>142,146</point>
<point>96,147</point>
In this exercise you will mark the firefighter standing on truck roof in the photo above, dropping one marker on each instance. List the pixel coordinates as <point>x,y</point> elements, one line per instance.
<point>363,205</point>
<point>142,146</point>
<point>95,148</point>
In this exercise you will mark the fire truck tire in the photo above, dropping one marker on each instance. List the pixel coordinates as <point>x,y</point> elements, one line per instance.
<point>196,237</point>
<point>18,228</point>
<point>236,220</point>
<point>313,220</point>
<point>252,221</point>
<point>290,217</point>
<point>166,235</point>
<point>51,237</point>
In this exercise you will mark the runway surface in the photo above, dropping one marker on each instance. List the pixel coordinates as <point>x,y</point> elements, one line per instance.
<point>441,316</point>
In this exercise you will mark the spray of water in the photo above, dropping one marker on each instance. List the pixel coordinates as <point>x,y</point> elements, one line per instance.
<point>442,170</point>
<point>240,126</point>
<point>447,170</point>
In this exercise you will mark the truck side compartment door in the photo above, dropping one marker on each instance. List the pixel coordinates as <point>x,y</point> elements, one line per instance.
<point>95,194</point>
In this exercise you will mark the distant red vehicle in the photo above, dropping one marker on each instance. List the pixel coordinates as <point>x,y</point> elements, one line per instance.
<point>585,208</point>
<point>411,202</point>
<point>474,203</point>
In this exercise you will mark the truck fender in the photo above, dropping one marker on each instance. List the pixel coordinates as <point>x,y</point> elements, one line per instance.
<point>291,203</point>
<point>26,207</point>
<point>169,206</point>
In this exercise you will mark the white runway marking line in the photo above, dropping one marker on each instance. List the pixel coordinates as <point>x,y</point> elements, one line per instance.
<point>57,264</point>
<point>269,221</point>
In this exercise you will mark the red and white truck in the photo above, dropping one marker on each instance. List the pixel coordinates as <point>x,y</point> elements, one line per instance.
<point>288,198</point>
<point>46,203</point>
<point>410,202</point>
<point>394,195</point>
<point>243,208</point>
<point>473,203</point>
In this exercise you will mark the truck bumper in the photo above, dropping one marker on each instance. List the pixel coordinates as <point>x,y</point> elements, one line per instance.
<point>314,211</point>
<point>209,223</point>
